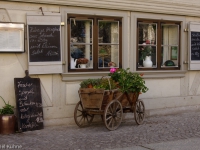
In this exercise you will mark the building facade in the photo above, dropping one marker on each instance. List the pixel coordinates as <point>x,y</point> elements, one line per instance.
<point>104,31</point>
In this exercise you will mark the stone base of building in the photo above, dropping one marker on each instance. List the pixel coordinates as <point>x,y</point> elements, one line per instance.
<point>149,113</point>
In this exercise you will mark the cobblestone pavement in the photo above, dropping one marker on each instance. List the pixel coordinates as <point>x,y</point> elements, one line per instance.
<point>95,137</point>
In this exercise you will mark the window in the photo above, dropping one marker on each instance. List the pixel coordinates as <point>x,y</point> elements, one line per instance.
<point>94,43</point>
<point>158,45</point>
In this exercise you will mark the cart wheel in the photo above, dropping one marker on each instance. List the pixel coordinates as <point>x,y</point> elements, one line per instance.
<point>113,115</point>
<point>139,112</point>
<point>81,117</point>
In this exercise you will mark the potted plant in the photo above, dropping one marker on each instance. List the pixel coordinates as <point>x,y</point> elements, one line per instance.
<point>7,119</point>
<point>111,64</point>
<point>145,53</point>
<point>128,81</point>
<point>89,83</point>
<point>106,84</point>
<point>82,62</point>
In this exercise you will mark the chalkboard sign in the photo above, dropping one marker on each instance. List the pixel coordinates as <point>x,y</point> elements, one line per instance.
<point>44,43</point>
<point>29,103</point>
<point>195,45</point>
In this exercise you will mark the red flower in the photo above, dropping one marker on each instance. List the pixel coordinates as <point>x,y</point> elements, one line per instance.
<point>141,74</point>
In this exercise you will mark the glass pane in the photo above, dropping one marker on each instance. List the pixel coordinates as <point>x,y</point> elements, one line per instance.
<point>109,32</point>
<point>108,56</point>
<point>147,54</point>
<point>81,31</point>
<point>170,34</point>
<point>81,51</point>
<point>169,56</point>
<point>147,33</point>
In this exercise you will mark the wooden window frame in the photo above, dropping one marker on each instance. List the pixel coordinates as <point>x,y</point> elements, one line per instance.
<point>158,43</point>
<point>95,41</point>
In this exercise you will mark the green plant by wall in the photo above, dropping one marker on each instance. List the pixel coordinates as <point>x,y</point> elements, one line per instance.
<point>7,109</point>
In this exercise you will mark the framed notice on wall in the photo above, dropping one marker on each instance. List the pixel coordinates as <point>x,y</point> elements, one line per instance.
<point>44,43</point>
<point>11,37</point>
<point>194,46</point>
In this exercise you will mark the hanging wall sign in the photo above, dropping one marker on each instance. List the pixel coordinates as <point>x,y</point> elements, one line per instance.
<point>194,46</point>
<point>11,37</point>
<point>44,43</point>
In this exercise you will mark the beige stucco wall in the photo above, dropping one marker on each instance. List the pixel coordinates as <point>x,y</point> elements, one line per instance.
<point>59,97</point>
<point>177,7</point>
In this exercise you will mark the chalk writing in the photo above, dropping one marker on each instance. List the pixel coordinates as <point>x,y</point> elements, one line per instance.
<point>29,125</point>
<point>38,51</point>
<point>195,46</point>
<point>50,53</point>
<point>44,43</point>
<point>29,103</point>
<point>20,84</point>
<point>24,109</point>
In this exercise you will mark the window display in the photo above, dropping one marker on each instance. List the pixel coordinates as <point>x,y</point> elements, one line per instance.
<point>158,42</point>
<point>96,39</point>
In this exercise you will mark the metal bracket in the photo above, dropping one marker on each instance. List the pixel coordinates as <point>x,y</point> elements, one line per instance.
<point>62,23</point>
<point>41,11</point>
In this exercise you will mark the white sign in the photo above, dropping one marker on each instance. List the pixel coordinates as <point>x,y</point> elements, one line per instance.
<point>11,37</point>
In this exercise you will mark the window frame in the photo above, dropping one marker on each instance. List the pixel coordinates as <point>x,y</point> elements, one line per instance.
<point>159,44</point>
<point>95,42</point>
<point>154,74</point>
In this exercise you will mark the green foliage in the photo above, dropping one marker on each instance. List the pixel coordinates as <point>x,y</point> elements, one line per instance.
<point>7,109</point>
<point>107,84</point>
<point>147,51</point>
<point>86,83</point>
<point>128,81</point>
<point>104,83</point>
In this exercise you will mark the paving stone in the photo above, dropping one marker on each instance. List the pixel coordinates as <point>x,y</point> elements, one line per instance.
<point>154,130</point>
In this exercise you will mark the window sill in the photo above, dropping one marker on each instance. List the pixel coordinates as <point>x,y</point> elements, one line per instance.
<point>147,74</point>
<point>79,76</point>
<point>163,74</point>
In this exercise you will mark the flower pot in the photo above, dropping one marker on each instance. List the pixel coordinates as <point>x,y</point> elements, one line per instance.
<point>147,62</point>
<point>7,124</point>
<point>90,86</point>
<point>82,65</point>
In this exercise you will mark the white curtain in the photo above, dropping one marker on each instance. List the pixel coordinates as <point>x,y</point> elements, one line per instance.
<point>115,39</point>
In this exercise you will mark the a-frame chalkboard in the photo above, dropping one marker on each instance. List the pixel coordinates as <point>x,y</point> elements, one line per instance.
<point>29,103</point>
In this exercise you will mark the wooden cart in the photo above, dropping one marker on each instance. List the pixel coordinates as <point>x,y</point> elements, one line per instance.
<point>110,104</point>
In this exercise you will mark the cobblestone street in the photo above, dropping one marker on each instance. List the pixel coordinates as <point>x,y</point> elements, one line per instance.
<point>95,137</point>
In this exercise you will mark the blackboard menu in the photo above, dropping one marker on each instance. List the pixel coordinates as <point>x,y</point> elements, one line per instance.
<point>29,103</point>
<point>44,43</point>
<point>195,45</point>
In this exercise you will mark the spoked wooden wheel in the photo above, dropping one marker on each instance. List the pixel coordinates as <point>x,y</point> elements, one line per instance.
<point>139,112</point>
<point>81,117</point>
<point>113,115</point>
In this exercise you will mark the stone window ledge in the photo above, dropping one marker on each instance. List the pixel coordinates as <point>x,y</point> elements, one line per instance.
<point>147,75</point>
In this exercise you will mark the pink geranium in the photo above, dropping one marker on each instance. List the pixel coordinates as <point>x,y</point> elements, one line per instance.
<point>112,70</point>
